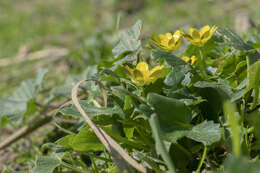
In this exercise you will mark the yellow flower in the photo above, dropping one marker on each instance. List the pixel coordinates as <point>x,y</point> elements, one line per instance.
<point>142,75</point>
<point>168,41</point>
<point>191,60</point>
<point>199,38</point>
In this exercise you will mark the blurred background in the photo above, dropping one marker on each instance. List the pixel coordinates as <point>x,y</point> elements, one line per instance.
<point>62,34</point>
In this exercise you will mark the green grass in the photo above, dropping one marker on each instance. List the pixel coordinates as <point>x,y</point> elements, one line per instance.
<point>38,24</point>
<point>67,22</point>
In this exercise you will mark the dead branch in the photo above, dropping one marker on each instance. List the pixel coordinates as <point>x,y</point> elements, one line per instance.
<point>33,125</point>
<point>50,53</point>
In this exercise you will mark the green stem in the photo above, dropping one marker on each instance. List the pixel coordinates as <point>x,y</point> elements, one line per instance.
<point>248,64</point>
<point>73,168</point>
<point>99,157</point>
<point>153,165</point>
<point>202,159</point>
<point>202,61</point>
<point>94,166</point>
<point>63,129</point>
<point>256,94</point>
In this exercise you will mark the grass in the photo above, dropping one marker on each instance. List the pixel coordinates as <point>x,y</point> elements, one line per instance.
<point>38,24</point>
<point>66,23</point>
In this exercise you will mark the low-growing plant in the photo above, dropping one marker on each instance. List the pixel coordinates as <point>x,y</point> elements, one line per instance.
<point>181,102</point>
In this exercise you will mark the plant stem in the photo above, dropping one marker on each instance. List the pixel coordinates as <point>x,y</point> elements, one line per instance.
<point>73,168</point>
<point>202,159</point>
<point>93,163</point>
<point>202,61</point>
<point>63,129</point>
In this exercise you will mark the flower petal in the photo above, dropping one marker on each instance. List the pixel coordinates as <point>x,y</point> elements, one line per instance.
<point>193,59</point>
<point>156,72</point>
<point>138,75</point>
<point>128,70</point>
<point>177,35</point>
<point>186,59</point>
<point>204,30</point>
<point>213,30</point>
<point>142,67</point>
<point>168,36</point>
<point>194,33</point>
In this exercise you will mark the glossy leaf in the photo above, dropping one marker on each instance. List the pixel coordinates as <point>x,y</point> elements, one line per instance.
<point>170,111</point>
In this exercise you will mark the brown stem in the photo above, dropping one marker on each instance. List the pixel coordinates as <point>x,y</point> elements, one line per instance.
<point>25,130</point>
<point>33,125</point>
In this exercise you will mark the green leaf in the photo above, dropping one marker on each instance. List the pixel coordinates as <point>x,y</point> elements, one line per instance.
<point>171,59</point>
<point>11,109</point>
<point>215,93</point>
<point>86,140</point>
<point>174,119</point>
<point>234,39</point>
<point>66,141</point>
<point>92,111</point>
<point>159,144</point>
<point>241,164</point>
<point>171,112</point>
<point>239,94</point>
<point>177,76</point>
<point>65,89</point>
<point>129,40</point>
<point>222,87</point>
<point>46,164</point>
<point>233,121</point>
<point>254,81</point>
<point>40,77</point>
<point>15,106</point>
<point>228,66</point>
<point>206,132</point>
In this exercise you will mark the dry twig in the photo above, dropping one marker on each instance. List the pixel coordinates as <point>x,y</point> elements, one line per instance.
<point>110,144</point>
<point>51,53</point>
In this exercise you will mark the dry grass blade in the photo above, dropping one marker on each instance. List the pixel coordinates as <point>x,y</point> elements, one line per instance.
<point>111,145</point>
<point>50,54</point>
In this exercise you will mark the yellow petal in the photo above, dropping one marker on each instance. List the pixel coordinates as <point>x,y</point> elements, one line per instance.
<point>138,75</point>
<point>155,38</point>
<point>186,59</point>
<point>194,33</point>
<point>129,70</point>
<point>178,44</point>
<point>164,43</point>
<point>154,72</point>
<point>142,67</point>
<point>193,59</point>
<point>177,35</point>
<point>161,36</point>
<point>204,30</point>
<point>168,35</point>
<point>213,30</point>
<point>208,34</point>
